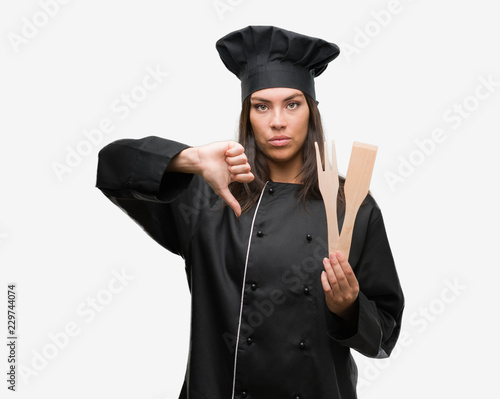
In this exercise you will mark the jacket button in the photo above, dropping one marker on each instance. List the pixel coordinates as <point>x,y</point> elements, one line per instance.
<point>271,191</point>
<point>260,233</point>
<point>302,345</point>
<point>244,394</point>
<point>296,397</point>
<point>306,290</point>
<point>309,237</point>
<point>249,341</point>
<point>253,286</point>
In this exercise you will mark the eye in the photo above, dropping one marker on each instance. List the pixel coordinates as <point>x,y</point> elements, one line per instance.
<point>293,105</point>
<point>261,107</point>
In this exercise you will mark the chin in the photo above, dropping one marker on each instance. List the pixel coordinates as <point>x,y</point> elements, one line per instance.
<point>280,158</point>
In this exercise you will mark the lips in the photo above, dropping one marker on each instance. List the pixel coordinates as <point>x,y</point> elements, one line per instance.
<point>279,141</point>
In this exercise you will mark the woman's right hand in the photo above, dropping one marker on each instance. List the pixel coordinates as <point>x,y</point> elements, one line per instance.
<point>222,163</point>
<point>219,164</point>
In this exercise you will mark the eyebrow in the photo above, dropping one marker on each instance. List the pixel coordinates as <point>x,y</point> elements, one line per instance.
<point>259,99</point>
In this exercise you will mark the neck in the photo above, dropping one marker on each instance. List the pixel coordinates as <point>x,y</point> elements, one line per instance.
<point>285,172</point>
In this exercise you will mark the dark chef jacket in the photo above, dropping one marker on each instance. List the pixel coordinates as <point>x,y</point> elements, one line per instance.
<point>255,280</point>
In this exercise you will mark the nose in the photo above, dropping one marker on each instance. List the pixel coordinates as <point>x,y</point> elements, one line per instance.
<point>278,120</point>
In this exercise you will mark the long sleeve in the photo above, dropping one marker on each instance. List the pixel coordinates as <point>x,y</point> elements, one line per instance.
<point>132,174</point>
<point>381,299</point>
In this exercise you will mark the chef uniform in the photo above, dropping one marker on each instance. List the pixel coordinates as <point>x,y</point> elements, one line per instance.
<point>260,327</point>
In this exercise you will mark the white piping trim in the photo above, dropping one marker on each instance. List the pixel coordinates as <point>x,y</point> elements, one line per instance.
<point>243,290</point>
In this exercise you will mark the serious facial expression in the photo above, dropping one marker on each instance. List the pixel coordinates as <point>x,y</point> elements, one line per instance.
<point>279,118</point>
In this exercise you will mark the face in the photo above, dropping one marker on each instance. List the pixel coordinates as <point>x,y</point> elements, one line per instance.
<point>279,118</point>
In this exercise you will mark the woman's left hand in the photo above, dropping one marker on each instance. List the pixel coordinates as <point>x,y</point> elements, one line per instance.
<point>340,286</point>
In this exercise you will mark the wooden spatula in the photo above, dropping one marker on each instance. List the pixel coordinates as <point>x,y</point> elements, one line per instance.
<point>357,184</point>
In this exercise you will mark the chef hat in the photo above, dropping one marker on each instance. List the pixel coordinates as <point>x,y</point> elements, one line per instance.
<point>267,56</point>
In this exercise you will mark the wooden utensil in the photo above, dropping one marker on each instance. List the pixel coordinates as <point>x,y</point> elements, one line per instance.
<point>356,186</point>
<point>329,186</point>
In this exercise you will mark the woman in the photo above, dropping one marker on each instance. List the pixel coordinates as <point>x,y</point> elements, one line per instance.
<point>273,314</point>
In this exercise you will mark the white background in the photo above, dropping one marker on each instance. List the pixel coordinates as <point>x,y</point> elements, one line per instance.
<point>398,78</point>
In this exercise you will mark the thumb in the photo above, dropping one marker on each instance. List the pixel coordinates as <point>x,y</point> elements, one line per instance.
<point>228,197</point>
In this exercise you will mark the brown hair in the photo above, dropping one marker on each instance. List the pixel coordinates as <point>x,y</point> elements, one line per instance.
<point>248,194</point>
